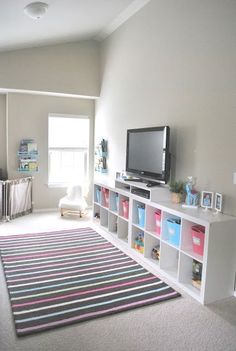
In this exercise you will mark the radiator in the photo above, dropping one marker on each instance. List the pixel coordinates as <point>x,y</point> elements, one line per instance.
<point>15,198</point>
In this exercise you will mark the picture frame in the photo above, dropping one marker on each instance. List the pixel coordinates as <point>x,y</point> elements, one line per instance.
<point>218,202</point>
<point>207,199</point>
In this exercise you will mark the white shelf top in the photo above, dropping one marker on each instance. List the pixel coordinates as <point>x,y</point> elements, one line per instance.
<point>198,215</point>
<point>195,213</point>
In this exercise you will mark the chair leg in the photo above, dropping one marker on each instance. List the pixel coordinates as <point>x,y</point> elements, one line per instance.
<point>62,214</point>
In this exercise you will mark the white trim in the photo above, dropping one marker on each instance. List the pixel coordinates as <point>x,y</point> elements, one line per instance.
<point>39,210</point>
<point>68,115</point>
<point>48,93</point>
<point>134,7</point>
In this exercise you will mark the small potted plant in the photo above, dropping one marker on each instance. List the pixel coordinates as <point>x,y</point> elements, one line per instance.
<point>177,190</point>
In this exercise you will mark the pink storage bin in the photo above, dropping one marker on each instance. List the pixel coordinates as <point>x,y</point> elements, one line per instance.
<point>105,196</point>
<point>125,207</point>
<point>158,222</point>
<point>198,236</point>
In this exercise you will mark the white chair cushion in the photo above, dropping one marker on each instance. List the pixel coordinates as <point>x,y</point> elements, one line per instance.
<point>74,199</point>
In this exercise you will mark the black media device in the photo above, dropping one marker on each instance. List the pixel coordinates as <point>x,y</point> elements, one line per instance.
<point>141,192</point>
<point>148,154</point>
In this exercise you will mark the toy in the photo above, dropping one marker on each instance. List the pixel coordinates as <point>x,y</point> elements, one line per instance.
<point>139,242</point>
<point>156,252</point>
<point>197,274</point>
<point>192,196</point>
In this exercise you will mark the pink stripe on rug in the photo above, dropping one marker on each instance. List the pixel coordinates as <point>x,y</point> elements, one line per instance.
<point>124,264</point>
<point>73,237</point>
<point>58,232</point>
<point>69,262</point>
<point>50,254</point>
<point>83,292</point>
<point>98,313</point>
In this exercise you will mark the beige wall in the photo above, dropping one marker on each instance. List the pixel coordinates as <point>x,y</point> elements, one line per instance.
<point>173,63</point>
<point>3,133</point>
<point>28,118</point>
<point>65,68</point>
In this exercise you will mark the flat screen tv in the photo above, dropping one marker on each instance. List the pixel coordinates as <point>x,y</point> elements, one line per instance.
<point>147,153</point>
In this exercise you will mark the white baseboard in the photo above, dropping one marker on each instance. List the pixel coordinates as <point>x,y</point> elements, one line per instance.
<point>38,210</point>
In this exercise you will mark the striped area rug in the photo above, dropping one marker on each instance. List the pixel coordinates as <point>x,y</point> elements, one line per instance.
<point>63,277</point>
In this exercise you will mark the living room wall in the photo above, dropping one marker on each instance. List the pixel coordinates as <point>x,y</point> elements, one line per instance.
<point>71,68</point>
<point>173,63</point>
<point>28,118</point>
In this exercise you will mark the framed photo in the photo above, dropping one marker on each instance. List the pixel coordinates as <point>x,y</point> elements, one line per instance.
<point>207,199</point>
<point>218,202</point>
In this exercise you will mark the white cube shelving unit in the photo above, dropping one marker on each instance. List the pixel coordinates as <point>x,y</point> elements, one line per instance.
<point>176,261</point>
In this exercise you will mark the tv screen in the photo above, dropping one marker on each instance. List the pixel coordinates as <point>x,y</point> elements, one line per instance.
<point>147,153</point>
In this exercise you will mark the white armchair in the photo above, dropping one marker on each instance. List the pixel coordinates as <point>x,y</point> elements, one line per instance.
<point>74,202</point>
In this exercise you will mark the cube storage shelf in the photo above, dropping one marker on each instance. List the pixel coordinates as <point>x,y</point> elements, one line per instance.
<point>119,210</point>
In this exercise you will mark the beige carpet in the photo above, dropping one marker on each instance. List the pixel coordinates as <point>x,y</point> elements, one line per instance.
<point>181,324</point>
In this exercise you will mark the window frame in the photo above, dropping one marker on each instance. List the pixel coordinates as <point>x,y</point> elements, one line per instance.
<point>86,149</point>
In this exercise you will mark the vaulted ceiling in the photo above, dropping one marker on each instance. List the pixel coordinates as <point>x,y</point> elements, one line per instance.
<point>65,21</point>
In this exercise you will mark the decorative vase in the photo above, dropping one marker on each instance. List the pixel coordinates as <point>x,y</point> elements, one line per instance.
<point>176,198</point>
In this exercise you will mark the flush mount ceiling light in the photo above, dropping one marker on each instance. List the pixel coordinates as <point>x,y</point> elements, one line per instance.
<point>36,10</point>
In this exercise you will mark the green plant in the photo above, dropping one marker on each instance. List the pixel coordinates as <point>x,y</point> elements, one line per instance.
<point>176,186</point>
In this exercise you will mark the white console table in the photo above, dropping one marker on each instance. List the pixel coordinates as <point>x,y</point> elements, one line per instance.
<point>218,273</point>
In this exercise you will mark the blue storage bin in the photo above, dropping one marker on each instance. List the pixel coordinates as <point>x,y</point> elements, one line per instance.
<point>173,229</point>
<point>141,216</point>
<point>117,202</point>
<point>98,195</point>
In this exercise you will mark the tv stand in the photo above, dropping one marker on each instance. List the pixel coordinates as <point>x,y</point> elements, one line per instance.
<point>175,260</point>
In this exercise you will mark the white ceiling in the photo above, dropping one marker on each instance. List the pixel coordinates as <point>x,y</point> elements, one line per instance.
<point>65,21</point>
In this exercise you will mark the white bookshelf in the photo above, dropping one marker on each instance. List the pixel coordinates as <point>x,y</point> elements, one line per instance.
<point>175,261</point>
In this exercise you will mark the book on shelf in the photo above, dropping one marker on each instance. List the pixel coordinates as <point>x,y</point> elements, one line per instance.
<point>32,148</point>
<point>28,146</point>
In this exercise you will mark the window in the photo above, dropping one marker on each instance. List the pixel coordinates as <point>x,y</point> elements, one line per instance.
<point>68,146</point>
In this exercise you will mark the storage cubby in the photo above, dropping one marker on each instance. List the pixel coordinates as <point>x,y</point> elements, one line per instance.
<point>123,186</point>
<point>122,229</point>
<point>124,206</point>
<point>169,260</point>
<point>105,197</point>
<point>139,213</point>
<point>97,194</point>
<point>150,242</point>
<point>203,239</point>
<point>114,201</point>
<point>96,212</point>
<point>186,274</point>
<point>104,217</point>
<point>153,220</point>
<point>112,222</point>
<point>171,229</point>
<point>138,239</point>
<point>193,239</point>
